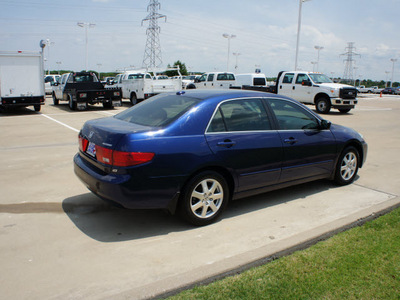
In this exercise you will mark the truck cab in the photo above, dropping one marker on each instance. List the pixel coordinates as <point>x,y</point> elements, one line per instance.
<point>214,80</point>
<point>317,89</point>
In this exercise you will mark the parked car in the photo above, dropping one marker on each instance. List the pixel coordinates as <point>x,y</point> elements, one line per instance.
<point>194,151</point>
<point>397,91</point>
<point>389,90</point>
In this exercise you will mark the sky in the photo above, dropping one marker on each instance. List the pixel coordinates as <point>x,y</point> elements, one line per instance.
<point>265,30</point>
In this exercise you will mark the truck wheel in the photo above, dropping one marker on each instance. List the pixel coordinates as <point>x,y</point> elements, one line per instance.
<point>344,110</point>
<point>72,103</point>
<point>55,100</point>
<point>108,105</point>
<point>133,98</point>
<point>37,107</point>
<point>323,105</point>
<point>190,86</point>
<point>204,198</point>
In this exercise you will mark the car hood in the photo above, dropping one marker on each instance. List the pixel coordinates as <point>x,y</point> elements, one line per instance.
<point>335,85</point>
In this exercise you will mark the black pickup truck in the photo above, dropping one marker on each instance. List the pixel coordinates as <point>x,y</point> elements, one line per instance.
<point>83,88</point>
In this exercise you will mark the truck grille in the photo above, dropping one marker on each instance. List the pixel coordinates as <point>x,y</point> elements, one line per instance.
<point>348,93</point>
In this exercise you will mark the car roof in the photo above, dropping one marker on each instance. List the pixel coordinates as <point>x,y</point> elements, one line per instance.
<point>227,94</point>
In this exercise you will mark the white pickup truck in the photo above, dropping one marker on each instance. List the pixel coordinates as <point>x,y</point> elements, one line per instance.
<point>316,89</point>
<point>216,80</point>
<point>140,84</point>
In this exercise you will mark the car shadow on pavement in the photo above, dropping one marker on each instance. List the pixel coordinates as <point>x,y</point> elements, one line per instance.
<point>104,222</point>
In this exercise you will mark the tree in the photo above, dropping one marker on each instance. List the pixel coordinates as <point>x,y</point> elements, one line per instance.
<point>182,69</point>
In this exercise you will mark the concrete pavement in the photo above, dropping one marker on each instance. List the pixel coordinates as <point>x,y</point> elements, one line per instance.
<point>58,241</point>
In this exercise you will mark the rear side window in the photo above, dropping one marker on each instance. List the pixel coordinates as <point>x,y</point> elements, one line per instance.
<point>240,115</point>
<point>225,76</point>
<point>288,78</point>
<point>158,111</point>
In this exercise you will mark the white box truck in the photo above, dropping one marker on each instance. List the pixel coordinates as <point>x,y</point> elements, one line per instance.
<point>21,79</point>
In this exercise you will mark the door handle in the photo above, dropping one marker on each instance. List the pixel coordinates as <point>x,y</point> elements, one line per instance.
<point>226,144</point>
<point>290,141</point>
<point>293,87</point>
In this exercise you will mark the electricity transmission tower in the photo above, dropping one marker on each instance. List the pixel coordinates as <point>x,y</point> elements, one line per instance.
<point>348,69</point>
<point>152,53</point>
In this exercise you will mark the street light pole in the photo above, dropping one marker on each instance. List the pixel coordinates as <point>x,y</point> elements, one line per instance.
<point>318,48</point>
<point>313,67</point>
<point>86,26</point>
<point>393,60</point>
<point>298,33</point>
<point>236,54</point>
<point>229,37</point>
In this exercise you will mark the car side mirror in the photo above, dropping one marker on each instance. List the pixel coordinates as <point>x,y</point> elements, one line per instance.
<point>196,80</point>
<point>325,124</point>
<point>306,83</point>
<point>54,83</point>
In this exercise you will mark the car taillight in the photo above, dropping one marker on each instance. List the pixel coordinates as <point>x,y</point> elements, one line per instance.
<point>83,143</point>
<point>117,158</point>
<point>126,159</point>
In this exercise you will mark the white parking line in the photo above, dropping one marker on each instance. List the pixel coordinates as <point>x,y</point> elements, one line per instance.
<point>61,123</point>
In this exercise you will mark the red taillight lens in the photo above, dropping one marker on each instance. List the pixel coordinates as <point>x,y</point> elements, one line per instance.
<point>117,158</point>
<point>83,143</point>
<point>126,159</point>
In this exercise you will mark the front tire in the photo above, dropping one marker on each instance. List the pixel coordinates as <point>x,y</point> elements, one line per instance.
<point>323,105</point>
<point>347,166</point>
<point>204,198</point>
<point>344,110</point>
<point>37,107</point>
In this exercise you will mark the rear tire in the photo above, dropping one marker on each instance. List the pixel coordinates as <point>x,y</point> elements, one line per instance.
<point>323,105</point>
<point>133,99</point>
<point>37,107</point>
<point>347,166</point>
<point>204,198</point>
<point>55,100</point>
<point>108,105</point>
<point>72,103</point>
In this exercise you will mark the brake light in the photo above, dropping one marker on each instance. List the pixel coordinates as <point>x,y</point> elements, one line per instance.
<point>83,143</point>
<point>126,159</point>
<point>117,158</point>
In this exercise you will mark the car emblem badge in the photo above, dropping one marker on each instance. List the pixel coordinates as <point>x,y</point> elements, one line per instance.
<point>90,134</point>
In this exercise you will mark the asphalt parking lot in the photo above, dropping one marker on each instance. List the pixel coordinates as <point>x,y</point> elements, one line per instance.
<point>58,241</point>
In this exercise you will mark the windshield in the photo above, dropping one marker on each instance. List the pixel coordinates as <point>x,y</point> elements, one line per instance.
<point>158,111</point>
<point>320,78</point>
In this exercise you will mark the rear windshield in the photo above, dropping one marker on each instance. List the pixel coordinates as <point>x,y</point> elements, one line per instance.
<point>158,111</point>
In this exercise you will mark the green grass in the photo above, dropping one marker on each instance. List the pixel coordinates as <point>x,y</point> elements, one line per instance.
<point>361,263</point>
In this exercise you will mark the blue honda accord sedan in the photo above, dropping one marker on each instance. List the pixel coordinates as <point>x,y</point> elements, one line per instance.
<point>194,151</point>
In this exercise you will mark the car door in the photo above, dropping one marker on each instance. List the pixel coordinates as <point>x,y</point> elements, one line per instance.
<point>308,150</point>
<point>241,136</point>
<point>285,87</point>
<point>202,82</point>
<point>302,88</point>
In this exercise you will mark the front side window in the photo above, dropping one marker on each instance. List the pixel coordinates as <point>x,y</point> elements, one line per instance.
<point>240,115</point>
<point>210,77</point>
<point>302,77</point>
<point>291,116</point>
<point>203,78</point>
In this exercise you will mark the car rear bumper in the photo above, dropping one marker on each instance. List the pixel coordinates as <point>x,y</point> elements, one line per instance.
<point>126,190</point>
